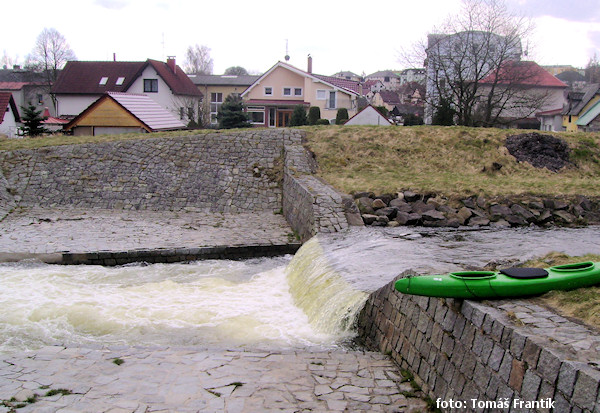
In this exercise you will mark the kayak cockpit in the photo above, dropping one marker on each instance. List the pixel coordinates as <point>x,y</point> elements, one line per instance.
<point>579,266</point>
<point>473,275</point>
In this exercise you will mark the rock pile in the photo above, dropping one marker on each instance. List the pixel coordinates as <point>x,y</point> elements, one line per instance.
<point>541,151</point>
<point>410,208</point>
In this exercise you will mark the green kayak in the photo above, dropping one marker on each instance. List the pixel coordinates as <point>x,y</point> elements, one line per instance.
<point>510,282</point>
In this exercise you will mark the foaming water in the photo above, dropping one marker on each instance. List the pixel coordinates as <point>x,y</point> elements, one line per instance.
<point>309,300</point>
<point>208,303</point>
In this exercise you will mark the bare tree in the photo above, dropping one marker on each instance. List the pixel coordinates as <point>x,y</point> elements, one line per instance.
<point>8,61</point>
<point>198,60</point>
<point>469,48</point>
<point>592,70</point>
<point>49,55</point>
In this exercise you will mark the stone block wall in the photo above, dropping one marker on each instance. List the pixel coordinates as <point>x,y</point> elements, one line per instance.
<point>309,204</point>
<point>7,201</point>
<point>487,356</point>
<point>217,172</point>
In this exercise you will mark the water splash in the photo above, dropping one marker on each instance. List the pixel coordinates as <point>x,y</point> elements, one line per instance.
<point>330,302</point>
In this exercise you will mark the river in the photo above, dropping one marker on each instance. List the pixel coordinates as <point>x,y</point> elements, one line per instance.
<point>308,300</point>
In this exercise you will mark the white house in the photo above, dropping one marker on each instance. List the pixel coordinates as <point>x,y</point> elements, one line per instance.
<point>9,115</point>
<point>369,116</point>
<point>82,83</point>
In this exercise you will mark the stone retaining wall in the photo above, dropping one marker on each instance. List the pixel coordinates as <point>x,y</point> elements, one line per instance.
<point>241,171</point>
<point>493,352</point>
<point>309,205</point>
<point>7,202</point>
<point>218,172</point>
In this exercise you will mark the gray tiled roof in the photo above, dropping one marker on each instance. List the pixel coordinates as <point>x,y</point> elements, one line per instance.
<point>223,80</point>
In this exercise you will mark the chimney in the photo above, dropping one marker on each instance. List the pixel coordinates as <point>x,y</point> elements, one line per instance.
<point>309,69</point>
<point>171,63</point>
<point>114,57</point>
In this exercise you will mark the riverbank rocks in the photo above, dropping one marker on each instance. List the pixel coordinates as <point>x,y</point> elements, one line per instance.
<point>412,208</point>
<point>541,151</point>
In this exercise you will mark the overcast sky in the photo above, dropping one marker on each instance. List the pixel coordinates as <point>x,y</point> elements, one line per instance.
<point>358,36</point>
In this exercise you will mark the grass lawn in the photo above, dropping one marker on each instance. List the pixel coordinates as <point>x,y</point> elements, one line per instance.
<point>446,160</point>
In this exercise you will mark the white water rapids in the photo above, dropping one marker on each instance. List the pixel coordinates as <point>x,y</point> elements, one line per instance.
<point>310,300</point>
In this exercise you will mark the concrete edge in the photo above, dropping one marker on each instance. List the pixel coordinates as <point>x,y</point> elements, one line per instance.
<point>159,255</point>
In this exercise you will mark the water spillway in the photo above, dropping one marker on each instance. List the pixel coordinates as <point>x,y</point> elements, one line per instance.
<point>309,300</point>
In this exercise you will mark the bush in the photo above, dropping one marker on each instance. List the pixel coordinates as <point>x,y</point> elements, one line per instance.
<point>342,116</point>
<point>314,115</point>
<point>322,122</point>
<point>298,116</point>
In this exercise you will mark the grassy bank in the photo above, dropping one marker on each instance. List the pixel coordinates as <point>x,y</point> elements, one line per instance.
<point>446,160</point>
<point>583,303</point>
<point>58,140</point>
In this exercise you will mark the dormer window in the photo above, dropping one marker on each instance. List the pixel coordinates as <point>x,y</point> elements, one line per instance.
<point>120,81</point>
<point>103,80</point>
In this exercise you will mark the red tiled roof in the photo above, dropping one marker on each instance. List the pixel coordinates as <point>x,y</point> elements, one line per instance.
<point>179,82</point>
<point>84,77</point>
<point>524,73</point>
<point>51,120</point>
<point>389,97</point>
<point>12,85</point>
<point>351,85</point>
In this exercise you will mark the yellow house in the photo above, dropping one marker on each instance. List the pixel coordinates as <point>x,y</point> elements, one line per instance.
<point>271,99</point>
<point>579,104</point>
<point>216,88</point>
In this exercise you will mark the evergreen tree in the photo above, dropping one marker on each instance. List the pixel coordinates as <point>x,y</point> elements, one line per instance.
<point>314,114</point>
<point>32,121</point>
<point>231,115</point>
<point>298,116</point>
<point>342,116</point>
<point>444,114</point>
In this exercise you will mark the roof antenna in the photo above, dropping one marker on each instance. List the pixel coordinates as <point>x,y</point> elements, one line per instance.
<point>287,56</point>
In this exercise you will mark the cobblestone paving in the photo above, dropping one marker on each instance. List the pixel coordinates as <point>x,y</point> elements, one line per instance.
<point>76,379</point>
<point>43,231</point>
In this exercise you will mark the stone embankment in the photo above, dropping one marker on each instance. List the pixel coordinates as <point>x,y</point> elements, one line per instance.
<point>410,208</point>
<point>504,355</point>
<point>209,178</point>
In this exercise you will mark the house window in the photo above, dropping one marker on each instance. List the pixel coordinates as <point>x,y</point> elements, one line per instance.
<point>103,80</point>
<point>321,95</point>
<point>287,91</point>
<point>268,91</point>
<point>151,85</point>
<point>216,100</point>
<point>272,117</point>
<point>386,79</point>
<point>256,114</point>
<point>120,81</point>
<point>331,102</point>
<point>297,91</point>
